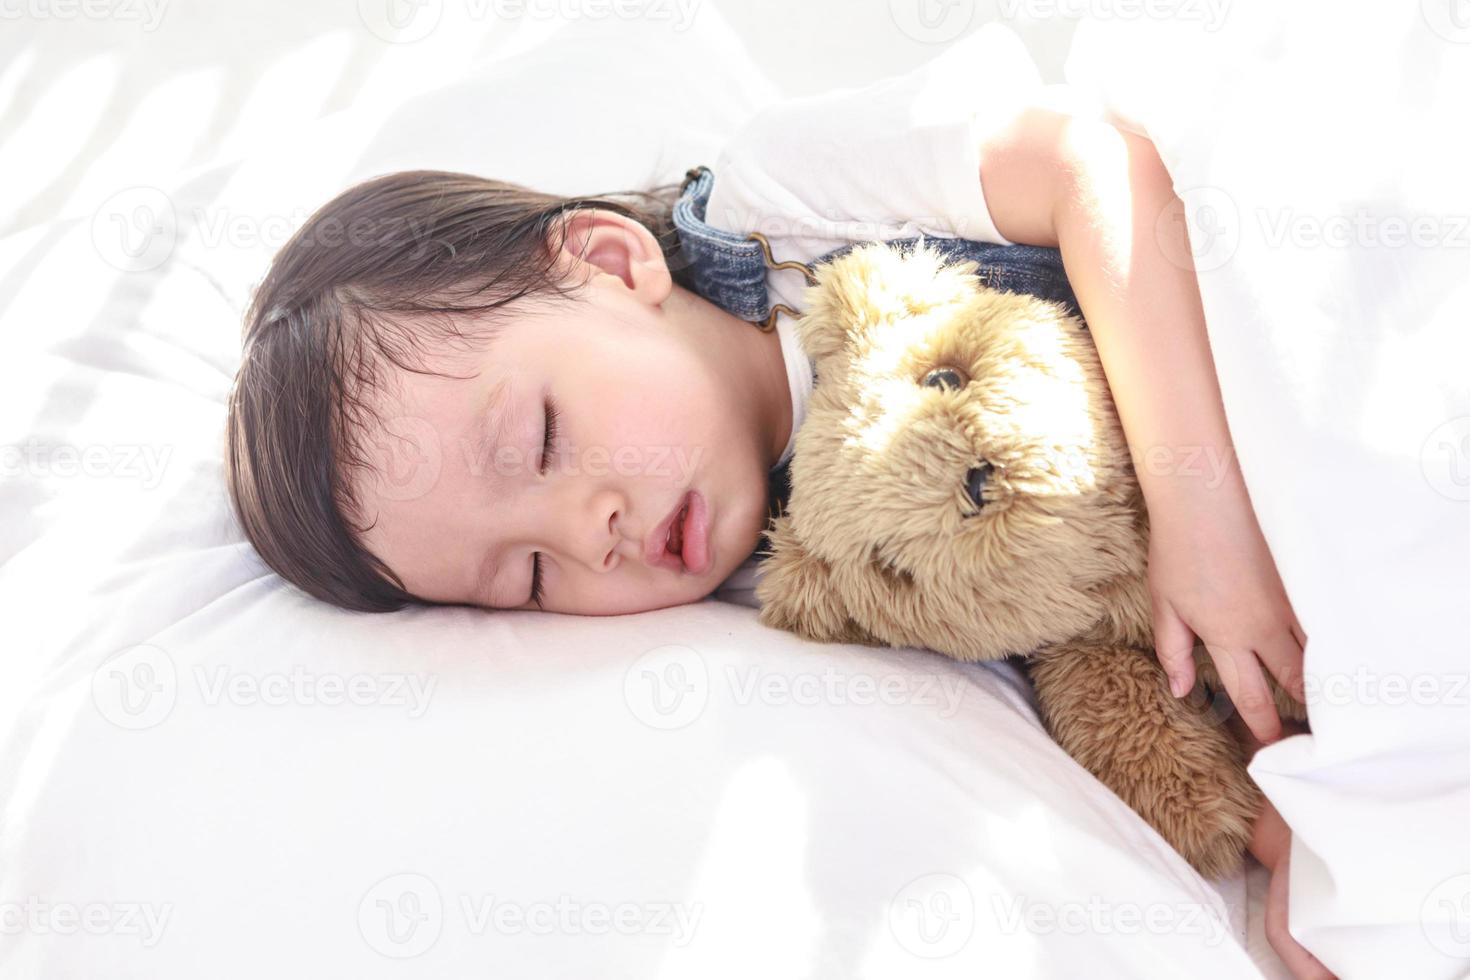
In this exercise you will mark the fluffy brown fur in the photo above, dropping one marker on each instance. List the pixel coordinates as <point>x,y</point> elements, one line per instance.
<point>881,544</point>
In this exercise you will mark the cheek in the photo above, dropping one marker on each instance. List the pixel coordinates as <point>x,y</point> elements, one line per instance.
<point>661,406</point>
<point>659,411</point>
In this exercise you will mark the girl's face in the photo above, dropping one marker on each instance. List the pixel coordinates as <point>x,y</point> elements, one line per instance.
<point>569,440</point>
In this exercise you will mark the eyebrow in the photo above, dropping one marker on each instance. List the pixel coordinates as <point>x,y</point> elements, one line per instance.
<point>487,438</point>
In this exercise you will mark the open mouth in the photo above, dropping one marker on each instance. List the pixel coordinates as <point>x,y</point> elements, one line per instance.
<point>674,544</point>
<point>684,542</point>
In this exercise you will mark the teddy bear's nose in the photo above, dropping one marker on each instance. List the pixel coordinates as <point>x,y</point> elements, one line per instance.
<point>975,483</point>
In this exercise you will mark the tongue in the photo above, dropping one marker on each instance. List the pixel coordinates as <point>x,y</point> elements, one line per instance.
<point>676,535</point>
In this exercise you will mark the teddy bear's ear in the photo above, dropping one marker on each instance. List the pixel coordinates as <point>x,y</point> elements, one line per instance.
<point>871,286</point>
<point>796,594</point>
<point>822,329</point>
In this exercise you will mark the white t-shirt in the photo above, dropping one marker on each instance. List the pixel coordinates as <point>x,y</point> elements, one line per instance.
<point>897,158</point>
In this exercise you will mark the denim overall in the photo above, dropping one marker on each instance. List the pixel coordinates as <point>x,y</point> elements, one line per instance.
<point>729,270</point>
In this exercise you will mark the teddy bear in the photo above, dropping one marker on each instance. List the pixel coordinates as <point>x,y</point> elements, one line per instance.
<point>962,483</point>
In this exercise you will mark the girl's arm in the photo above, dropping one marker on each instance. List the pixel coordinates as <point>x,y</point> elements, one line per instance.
<point>1271,844</point>
<point>1103,197</point>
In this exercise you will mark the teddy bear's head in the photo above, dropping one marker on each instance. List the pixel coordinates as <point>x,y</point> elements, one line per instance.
<point>961,480</point>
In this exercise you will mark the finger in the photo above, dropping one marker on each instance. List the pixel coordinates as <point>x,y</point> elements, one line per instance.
<point>1282,656</point>
<point>1299,633</point>
<point>1302,964</point>
<point>1241,674</point>
<point>1174,642</point>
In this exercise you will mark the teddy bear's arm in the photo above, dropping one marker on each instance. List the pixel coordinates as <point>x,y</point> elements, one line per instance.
<point>1173,761</point>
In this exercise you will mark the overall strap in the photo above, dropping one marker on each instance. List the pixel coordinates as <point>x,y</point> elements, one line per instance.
<point>1032,269</point>
<point>727,269</point>
<point>730,270</point>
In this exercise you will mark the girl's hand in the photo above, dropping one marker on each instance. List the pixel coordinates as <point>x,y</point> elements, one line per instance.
<point>1211,576</point>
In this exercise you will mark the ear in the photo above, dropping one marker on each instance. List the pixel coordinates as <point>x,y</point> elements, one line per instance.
<point>595,240</point>
<point>796,594</point>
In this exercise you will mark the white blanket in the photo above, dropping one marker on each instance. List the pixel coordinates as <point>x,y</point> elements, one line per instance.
<point>1320,153</point>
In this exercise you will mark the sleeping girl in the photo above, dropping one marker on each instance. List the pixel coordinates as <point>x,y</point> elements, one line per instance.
<point>457,390</point>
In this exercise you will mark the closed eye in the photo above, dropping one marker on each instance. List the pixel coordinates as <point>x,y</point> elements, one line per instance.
<point>550,414</point>
<point>536,578</point>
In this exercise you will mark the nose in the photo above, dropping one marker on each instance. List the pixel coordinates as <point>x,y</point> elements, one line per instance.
<point>975,481</point>
<point>589,526</point>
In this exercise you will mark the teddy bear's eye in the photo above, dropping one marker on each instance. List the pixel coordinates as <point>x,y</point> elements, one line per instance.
<point>950,378</point>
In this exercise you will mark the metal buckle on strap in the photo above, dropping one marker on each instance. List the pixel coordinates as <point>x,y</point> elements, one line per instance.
<point>769,323</point>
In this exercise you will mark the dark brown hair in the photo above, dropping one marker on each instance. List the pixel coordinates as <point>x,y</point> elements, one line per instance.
<point>387,269</point>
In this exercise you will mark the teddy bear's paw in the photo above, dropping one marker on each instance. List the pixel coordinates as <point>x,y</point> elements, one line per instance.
<point>1209,819</point>
<point>1174,762</point>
